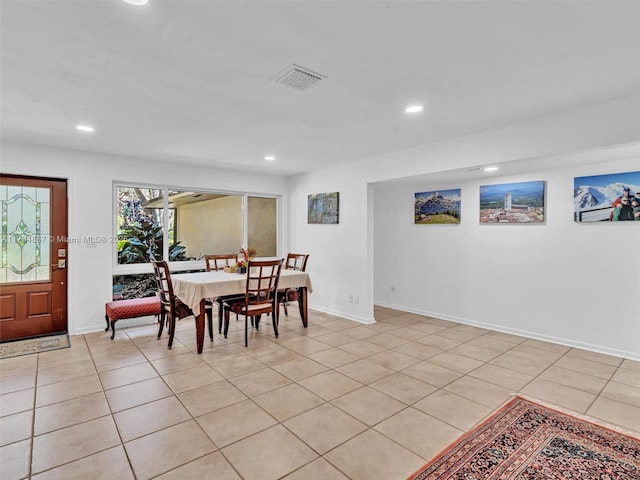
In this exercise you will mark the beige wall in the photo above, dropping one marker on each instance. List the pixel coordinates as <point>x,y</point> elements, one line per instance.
<point>200,226</point>
<point>263,226</point>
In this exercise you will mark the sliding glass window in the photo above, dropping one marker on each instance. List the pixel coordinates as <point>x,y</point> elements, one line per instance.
<point>262,226</point>
<point>185,225</point>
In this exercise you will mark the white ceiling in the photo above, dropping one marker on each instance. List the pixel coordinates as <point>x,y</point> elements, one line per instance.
<point>192,81</point>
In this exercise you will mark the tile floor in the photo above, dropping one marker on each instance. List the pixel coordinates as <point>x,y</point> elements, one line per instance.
<point>339,400</point>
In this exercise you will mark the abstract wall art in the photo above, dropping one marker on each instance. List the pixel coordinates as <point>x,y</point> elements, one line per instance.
<point>323,208</point>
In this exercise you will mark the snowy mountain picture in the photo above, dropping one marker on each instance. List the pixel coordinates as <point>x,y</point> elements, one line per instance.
<point>593,196</point>
<point>442,206</point>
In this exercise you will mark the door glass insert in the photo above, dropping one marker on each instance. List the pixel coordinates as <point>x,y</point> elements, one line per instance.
<point>25,234</point>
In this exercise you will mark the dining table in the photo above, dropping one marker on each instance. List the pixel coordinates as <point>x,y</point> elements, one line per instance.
<point>194,289</point>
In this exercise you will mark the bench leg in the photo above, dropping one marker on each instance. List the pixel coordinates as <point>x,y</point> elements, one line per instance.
<point>112,324</point>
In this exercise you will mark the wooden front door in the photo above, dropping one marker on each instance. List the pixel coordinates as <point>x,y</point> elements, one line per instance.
<point>33,268</point>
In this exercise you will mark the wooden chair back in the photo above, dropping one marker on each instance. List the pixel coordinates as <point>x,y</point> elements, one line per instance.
<point>218,262</point>
<point>165,287</point>
<point>262,286</point>
<point>170,305</point>
<point>296,261</point>
<point>260,297</point>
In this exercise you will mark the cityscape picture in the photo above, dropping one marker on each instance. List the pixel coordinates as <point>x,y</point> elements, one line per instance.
<point>521,202</point>
<point>437,207</point>
<point>603,198</point>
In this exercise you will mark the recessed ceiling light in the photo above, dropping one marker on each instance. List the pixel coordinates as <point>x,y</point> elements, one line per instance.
<point>85,128</point>
<point>414,109</point>
<point>270,158</point>
<point>490,169</point>
<point>136,2</point>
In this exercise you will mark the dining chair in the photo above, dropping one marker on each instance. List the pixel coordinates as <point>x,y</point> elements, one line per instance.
<point>294,261</point>
<point>260,296</point>
<point>171,307</point>
<point>218,262</point>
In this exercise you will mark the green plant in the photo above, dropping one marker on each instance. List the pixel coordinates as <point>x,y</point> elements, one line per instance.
<point>140,242</point>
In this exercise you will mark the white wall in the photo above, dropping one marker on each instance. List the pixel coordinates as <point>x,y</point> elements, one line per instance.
<point>338,254</point>
<point>561,281</point>
<point>344,259</point>
<point>91,206</point>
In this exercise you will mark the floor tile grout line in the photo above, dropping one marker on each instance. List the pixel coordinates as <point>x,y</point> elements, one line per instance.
<point>194,419</point>
<point>113,419</point>
<point>385,348</point>
<point>176,396</point>
<point>33,436</point>
<point>33,416</point>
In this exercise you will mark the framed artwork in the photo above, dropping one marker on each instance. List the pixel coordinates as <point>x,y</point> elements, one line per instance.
<point>521,202</point>
<point>610,197</point>
<point>437,207</point>
<point>323,208</point>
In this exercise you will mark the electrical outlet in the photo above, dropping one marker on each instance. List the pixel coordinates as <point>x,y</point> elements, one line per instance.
<point>356,298</point>
<point>350,298</point>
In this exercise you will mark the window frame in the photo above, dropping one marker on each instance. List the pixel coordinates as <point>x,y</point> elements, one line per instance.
<point>138,268</point>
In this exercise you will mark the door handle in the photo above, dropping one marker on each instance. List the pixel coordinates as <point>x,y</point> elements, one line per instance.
<point>60,264</point>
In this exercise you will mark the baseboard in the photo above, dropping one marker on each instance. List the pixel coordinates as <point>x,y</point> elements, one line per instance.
<point>124,323</point>
<point>521,333</point>
<point>336,313</point>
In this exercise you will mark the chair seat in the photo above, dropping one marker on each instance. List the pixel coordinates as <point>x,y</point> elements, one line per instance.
<point>250,310</point>
<point>295,261</point>
<point>215,263</point>
<point>182,310</point>
<point>171,307</point>
<point>289,295</point>
<point>260,297</point>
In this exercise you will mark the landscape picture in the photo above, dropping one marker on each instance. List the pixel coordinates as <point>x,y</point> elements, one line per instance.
<point>323,208</point>
<point>593,196</point>
<point>521,202</point>
<point>437,207</point>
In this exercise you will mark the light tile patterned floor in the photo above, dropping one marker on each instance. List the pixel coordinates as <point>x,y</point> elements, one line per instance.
<point>337,400</point>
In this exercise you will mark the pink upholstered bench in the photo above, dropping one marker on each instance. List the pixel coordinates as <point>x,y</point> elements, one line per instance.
<point>132,308</point>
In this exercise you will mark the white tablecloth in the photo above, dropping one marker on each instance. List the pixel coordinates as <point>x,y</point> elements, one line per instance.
<point>193,287</point>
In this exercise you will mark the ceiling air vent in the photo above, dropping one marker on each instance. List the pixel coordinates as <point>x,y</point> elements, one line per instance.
<point>298,77</point>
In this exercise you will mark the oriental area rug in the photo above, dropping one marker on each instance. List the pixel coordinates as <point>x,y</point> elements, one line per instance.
<point>33,345</point>
<point>525,441</point>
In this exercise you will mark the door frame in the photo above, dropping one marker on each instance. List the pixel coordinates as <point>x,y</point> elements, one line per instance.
<point>58,240</point>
